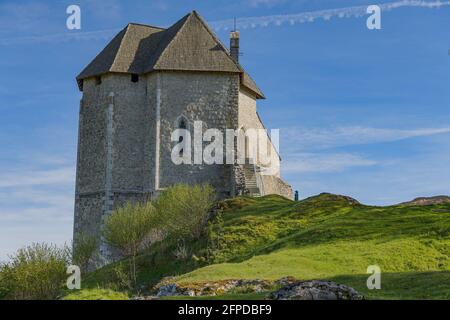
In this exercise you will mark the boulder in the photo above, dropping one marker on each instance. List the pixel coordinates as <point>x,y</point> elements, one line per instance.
<point>314,290</point>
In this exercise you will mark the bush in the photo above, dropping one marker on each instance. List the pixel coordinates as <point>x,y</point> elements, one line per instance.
<point>128,229</point>
<point>36,272</point>
<point>84,251</point>
<point>183,210</point>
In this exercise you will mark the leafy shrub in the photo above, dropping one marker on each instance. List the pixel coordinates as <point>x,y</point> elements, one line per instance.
<point>85,251</point>
<point>36,272</point>
<point>183,210</point>
<point>128,229</point>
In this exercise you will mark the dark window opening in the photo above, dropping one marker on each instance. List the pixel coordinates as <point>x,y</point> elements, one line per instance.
<point>134,78</point>
<point>98,80</point>
<point>180,140</point>
<point>181,125</point>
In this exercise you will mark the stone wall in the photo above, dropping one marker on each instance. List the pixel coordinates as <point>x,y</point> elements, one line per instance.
<point>130,174</point>
<point>104,184</point>
<point>275,185</point>
<point>91,164</point>
<point>118,159</point>
<point>248,118</point>
<point>207,97</point>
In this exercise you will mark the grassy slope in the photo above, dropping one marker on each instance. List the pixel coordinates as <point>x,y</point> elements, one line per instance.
<point>324,237</point>
<point>328,237</point>
<point>96,294</point>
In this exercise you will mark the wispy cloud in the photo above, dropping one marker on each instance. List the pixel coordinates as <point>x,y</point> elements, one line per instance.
<point>320,163</point>
<point>101,9</point>
<point>297,138</point>
<point>35,205</point>
<point>21,17</point>
<point>267,3</point>
<point>312,16</point>
<point>36,198</point>
<point>19,178</point>
<point>242,23</point>
<point>62,37</point>
<point>31,206</point>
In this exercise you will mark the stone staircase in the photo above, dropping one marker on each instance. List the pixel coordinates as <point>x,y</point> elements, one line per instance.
<point>251,182</point>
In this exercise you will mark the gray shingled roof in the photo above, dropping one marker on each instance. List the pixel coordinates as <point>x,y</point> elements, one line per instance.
<point>188,45</point>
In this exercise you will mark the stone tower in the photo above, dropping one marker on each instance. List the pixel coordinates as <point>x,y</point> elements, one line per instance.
<point>147,82</point>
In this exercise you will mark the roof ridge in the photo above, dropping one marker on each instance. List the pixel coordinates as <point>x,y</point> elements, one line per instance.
<point>185,18</point>
<point>120,47</point>
<point>217,39</point>
<point>146,25</point>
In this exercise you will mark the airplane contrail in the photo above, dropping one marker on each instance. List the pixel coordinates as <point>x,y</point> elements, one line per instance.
<point>241,23</point>
<point>305,17</point>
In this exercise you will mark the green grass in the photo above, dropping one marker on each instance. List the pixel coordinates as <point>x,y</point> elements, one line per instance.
<point>323,237</point>
<point>228,296</point>
<point>96,294</point>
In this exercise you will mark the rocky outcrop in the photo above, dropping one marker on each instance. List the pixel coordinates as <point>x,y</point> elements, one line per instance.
<point>426,201</point>
<point>315,290</point>
<point>212,288</point>
<point>289,289</point>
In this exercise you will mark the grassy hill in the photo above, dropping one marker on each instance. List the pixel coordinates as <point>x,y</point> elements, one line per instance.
<point>323,237</point>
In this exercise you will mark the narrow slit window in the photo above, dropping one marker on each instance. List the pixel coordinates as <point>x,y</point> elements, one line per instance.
<point>181,125</point>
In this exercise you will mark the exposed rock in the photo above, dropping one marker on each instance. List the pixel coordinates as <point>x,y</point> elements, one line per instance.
<point>426,201</point>
<point>291,289</point>
<point>168,290</point>
<point>314,290</point>
<point>283,282</point>
<point>212,288</point>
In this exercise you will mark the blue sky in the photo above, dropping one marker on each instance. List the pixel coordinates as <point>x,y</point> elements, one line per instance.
<point>362,112</point>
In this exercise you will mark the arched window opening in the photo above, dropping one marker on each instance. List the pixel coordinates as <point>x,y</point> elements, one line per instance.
<point>182,124</point>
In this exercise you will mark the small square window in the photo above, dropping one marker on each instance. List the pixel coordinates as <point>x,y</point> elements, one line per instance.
<point>134,78</point>
<point>98,80</point>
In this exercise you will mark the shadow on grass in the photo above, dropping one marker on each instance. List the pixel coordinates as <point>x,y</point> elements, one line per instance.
<point>402,285</point>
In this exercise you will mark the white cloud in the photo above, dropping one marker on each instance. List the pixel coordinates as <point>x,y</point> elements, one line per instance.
<point>267,3</point>
<point>242,23</point>
<point>402,180</point>
<point>317,162</point>
<point>35,206</point>
<point>296,138</point>
<point>62,37</point>
<point>307,17</point>
<point>17,235</point>
<point>19,178</point>
<point>31,215</point>
<point>26,197</point>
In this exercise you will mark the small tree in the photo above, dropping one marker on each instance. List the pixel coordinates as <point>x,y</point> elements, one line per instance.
<point>183,210</point>
<point>36,272</point>
<point>127,229</point>
<point>84,251</point>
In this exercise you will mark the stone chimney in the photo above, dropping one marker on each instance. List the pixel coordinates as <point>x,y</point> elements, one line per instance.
<point>234,45</point>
